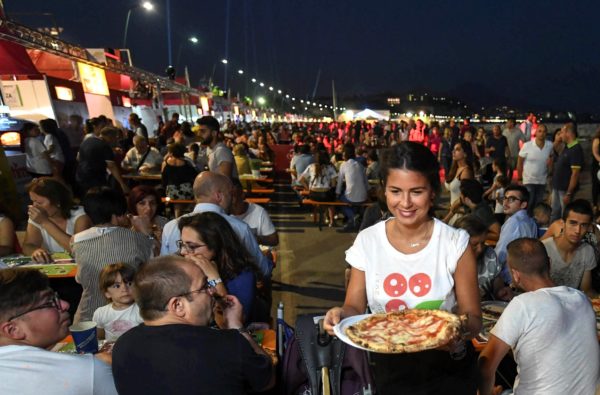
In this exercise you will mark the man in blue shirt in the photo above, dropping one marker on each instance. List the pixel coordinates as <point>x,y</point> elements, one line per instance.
<point>212,192</point>
<point>517,225</point>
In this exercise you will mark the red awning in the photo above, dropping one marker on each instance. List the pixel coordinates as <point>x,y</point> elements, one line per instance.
<point>15,60</point>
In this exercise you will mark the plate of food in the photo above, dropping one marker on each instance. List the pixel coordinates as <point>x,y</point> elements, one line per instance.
<point>492,310</point>
<point>397,332</point>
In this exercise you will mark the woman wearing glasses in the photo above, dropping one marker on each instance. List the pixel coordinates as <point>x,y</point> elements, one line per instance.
<point>208,240</point>
<point>413,260</point>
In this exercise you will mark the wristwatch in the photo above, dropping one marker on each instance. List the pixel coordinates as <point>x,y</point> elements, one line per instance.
<point>213,283</point>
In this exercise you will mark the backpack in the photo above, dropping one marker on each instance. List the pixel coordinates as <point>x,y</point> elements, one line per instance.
<point>310,350</point>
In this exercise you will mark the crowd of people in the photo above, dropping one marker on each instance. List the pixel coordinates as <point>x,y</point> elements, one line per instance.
<point>513,231</point>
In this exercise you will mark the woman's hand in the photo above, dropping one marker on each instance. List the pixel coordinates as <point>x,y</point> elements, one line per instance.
<point>41,256</point>
<point>209,267</point>
<point>37,215</point>
<point>332,318</point>
<point>141,223</point>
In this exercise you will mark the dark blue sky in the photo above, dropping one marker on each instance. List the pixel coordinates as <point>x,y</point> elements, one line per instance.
<point>542,54</point>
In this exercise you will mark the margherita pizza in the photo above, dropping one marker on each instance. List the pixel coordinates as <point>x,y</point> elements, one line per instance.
<point>405,331</point>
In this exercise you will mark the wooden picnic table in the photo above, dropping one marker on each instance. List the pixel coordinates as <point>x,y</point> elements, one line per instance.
<point>142,177</point>
<point>257,200</point>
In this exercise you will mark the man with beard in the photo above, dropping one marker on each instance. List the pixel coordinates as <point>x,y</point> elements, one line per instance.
<point>220,158</point>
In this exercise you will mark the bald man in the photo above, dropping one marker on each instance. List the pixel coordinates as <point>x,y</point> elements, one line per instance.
<point>213,192</point>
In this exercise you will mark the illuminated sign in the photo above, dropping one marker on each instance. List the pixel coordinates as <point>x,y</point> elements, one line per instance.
<point>11,139</point>
<point>204,104</point>
<point>64,93</point>
<point>93,79</point>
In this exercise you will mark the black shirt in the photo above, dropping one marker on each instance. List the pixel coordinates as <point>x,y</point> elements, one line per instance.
<point>500,145</point>
<point>186,359</point>
<point>93,154</point>
<point>570,157</point>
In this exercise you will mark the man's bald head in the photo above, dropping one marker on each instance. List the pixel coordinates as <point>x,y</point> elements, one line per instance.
<point>528,256</point>
<point>208,184</point>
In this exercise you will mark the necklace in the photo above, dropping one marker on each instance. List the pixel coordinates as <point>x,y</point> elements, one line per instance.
<point>424,239</point>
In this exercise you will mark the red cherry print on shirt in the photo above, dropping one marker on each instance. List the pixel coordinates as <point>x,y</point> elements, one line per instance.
<point>395,305</point>
<point>420,284</point>
<point>394,285</point>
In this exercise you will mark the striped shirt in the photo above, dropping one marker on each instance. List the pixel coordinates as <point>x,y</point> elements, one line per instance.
<point>97,247</point>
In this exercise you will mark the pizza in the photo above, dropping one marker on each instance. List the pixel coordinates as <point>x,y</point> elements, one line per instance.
<point>405,331</point>
<point>596,305</point>
<point>492,311</point>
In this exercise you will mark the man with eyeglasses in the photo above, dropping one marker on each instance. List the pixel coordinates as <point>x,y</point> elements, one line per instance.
<point>33,319</point>
<point>175,351</point>
<point>518,223</point>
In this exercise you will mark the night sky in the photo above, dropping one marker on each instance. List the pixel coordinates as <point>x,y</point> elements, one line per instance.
<point>534,54</point>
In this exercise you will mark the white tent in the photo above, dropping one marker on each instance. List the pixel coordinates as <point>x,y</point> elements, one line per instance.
<point>370,114</point>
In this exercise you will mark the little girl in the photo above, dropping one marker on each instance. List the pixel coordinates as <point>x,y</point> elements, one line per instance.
<point>121,314</point>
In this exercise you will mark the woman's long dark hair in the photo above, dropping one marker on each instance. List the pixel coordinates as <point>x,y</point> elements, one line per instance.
<point>468,158</point>
<point>231,255</point>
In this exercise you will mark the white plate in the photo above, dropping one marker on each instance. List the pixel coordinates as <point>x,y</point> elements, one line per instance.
<point>340,329</point>
<point>496,306</point>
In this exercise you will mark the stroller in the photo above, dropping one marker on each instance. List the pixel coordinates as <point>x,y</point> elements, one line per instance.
<point>315,363</point>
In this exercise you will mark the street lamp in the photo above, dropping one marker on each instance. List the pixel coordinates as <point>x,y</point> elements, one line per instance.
<point>192,39</point>
<point>148,6</point>
<point>240,71</point>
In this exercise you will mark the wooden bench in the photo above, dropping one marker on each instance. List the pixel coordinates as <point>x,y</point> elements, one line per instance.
<point>260,191</point>
<point>320,206</point>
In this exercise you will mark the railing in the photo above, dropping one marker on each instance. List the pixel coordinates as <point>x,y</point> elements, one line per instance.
<point>29,38</point>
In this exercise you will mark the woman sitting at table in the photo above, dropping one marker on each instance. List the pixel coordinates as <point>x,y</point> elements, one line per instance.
<point>53,219</point>
<point>110,240</point>
<point>143,205</point>
<point>208,240</point>
<point>413,260</point>
<point>320,178</point>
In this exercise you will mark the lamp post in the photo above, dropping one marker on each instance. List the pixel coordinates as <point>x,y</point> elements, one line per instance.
<point>148,6</point>
<point>193,40</point>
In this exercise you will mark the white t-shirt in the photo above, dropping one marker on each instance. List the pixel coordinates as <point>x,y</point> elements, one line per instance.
<point>552,332</point>
<point>48,242</point>
<point>27,370</point>
<point>395,280</point>
<point>535,166</point>
<point>219,154</point>
<point>116,322</point>
<point>328,174</point>
<point>36,162</point>
<point>258,220</point>
<point>354,176</point>
<point>51,143</point>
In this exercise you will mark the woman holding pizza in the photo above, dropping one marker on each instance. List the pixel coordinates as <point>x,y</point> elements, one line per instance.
<point>413,260</point>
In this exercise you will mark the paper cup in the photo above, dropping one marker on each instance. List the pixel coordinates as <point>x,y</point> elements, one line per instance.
<point>84,336</point>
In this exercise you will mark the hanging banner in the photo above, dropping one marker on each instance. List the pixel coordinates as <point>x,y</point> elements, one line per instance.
<point>93,79</point>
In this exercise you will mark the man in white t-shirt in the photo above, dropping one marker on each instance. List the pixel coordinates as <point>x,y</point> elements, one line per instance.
<point>254,215</point>
<point>220,157</point>
<point>551,331</point>
<point>535,158</point>
<point>33,319</point>
<point>352,178</point>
